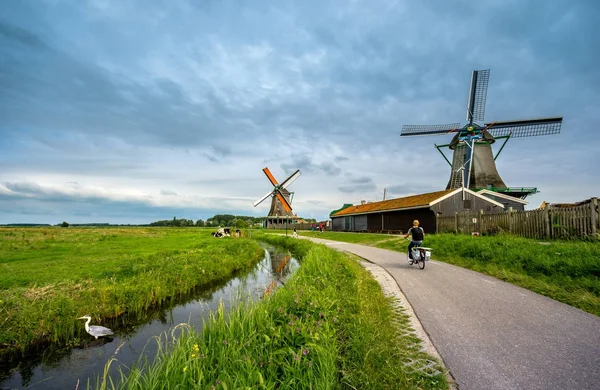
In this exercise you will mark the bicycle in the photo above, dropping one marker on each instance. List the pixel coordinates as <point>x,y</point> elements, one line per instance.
<point>420,254</point>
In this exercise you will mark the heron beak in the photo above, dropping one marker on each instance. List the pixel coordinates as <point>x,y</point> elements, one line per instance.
<point>81,318</point>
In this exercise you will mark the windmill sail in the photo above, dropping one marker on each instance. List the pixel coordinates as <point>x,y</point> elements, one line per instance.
<point>478,95</point>
<point>526,128</point>
<point>428,129</point>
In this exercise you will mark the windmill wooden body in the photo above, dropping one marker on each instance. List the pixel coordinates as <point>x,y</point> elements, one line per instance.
<point>473,162</point>
<point>281,199</point>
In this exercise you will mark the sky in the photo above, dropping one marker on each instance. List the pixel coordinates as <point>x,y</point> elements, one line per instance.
<point>132,111</point>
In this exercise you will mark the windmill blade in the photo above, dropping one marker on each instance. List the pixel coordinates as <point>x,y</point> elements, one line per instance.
<point>270,176</point>
<point>268,194</point>
<point>525,128</point>
<point>290,179</point>
<point>478,95</point>
<point>283,201</point>
<point>428,129</point>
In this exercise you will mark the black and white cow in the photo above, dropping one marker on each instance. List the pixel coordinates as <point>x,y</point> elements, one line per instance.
<point>222,233</point>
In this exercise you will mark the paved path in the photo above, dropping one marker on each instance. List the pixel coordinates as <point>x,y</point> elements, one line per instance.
<point>492,334</point>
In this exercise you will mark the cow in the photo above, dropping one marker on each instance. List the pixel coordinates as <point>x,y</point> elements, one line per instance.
<point>222,233</point>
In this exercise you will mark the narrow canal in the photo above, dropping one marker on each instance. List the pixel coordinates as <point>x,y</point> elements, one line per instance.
<point>72,368</point>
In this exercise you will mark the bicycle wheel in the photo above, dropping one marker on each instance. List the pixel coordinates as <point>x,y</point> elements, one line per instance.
<point>421,260</point>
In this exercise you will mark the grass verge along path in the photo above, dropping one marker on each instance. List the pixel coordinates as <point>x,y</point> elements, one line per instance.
<point>330,327</point>
<point>568,271</point>
<point>51,276</point>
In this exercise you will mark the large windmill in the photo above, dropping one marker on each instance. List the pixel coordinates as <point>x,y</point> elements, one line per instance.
<point>281,208</point>
<point>473,163</point>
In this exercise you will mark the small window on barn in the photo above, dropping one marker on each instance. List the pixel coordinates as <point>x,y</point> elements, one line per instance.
<point>467,204</point>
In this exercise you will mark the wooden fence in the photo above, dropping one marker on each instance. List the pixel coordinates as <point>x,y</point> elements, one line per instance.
<point>559,222</point>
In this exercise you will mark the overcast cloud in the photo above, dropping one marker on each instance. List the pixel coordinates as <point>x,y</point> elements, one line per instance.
<point>130,111</point>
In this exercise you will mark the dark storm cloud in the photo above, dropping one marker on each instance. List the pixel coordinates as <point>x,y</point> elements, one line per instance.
<point>77,96</point>
<point>20,36</point>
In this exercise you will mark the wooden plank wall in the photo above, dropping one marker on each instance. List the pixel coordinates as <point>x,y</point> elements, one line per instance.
<point>580,221</point>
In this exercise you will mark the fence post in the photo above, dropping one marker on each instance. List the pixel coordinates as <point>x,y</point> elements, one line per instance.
<point>480,222</point>
<point>594,207</point>
<point>547,226</point>
<point>510,220</point>
<point>456,222</point>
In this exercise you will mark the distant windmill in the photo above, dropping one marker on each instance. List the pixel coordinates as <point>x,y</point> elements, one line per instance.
<point>281,207</point>
<point>473,164</point>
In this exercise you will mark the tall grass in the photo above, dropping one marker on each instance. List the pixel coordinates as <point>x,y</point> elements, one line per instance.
<point>330,327</point>
<point>52,276</point>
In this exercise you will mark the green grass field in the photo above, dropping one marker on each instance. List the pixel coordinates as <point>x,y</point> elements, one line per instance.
<point>330,327</point>
<point>568,271</point>
<point>50,276</point>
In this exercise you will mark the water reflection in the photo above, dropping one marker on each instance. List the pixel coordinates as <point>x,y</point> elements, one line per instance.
<point>63,369</point>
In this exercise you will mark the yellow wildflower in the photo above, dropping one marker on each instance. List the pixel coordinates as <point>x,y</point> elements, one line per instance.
<point>185,369</point>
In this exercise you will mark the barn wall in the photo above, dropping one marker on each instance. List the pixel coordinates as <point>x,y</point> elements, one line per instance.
<point>360,223</point>
<point>399,221</point>
<point>374,222</point>
<point>337,224</point>
<point>403,220</point>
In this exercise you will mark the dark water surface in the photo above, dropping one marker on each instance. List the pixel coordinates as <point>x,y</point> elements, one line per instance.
<point>71,368</point>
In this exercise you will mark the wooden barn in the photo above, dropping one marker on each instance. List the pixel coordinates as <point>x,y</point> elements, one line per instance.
<point>398,214</point>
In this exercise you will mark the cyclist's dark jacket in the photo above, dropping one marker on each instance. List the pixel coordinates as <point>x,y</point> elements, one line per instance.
<point>417,233</point>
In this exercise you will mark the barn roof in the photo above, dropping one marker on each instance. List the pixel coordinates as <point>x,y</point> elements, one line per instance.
<point>413,201</point>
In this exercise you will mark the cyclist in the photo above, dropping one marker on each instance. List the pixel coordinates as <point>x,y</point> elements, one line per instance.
<point>417,237</point>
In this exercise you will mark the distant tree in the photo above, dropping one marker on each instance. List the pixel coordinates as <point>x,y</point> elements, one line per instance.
<point>64,224</point>
<point>199,223</point>
<point>240,223</point>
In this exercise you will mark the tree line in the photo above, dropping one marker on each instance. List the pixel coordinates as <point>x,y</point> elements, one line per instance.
<point>223,220</point>
<point>238,221</point>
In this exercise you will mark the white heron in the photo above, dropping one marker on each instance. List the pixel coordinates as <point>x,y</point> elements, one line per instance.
<point>95,330</point>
